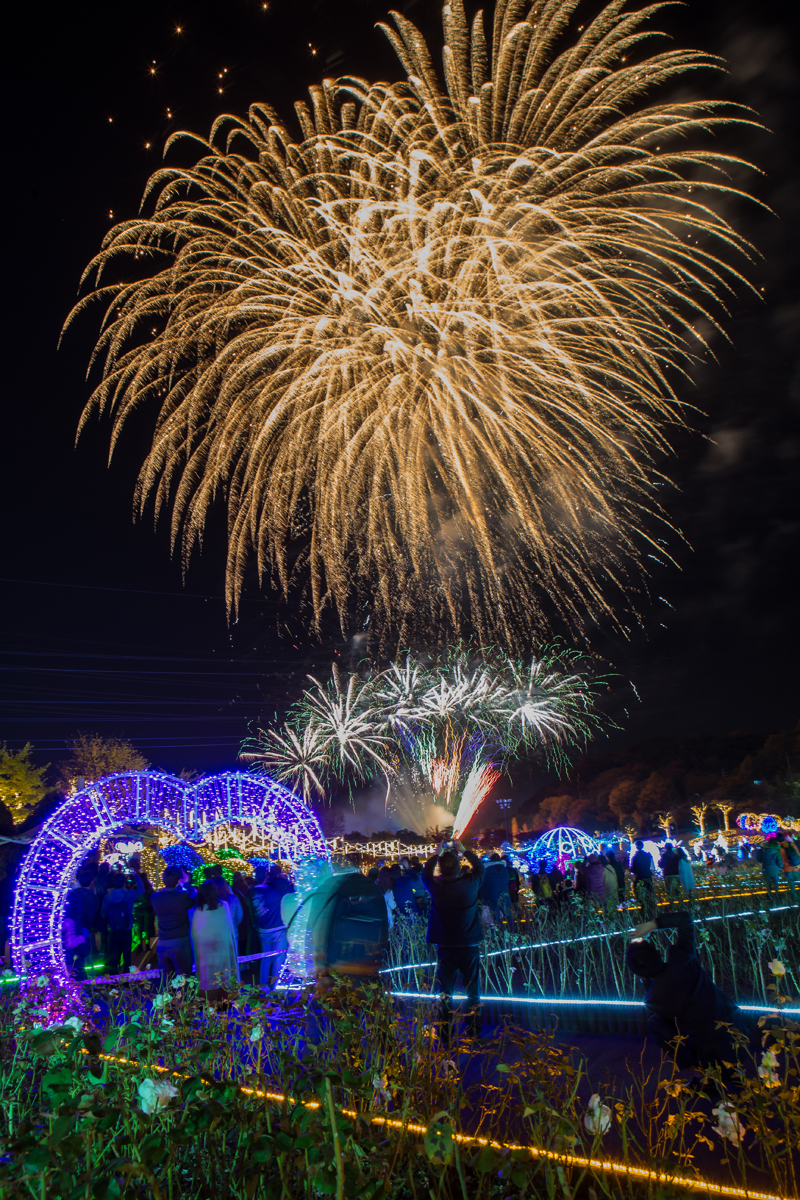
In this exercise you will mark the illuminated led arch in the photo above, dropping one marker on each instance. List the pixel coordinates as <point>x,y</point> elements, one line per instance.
<point>561,843</point>
<point>186,811</point>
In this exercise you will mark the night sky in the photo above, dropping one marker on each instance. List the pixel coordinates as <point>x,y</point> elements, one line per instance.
<point>99,630</point>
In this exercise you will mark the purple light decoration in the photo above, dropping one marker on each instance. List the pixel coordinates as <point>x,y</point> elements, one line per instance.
<point>186,811</point>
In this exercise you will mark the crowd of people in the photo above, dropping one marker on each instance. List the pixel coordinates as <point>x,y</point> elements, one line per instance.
<point>210,926</point>
<point>458,896</point>
<point>402,885</point>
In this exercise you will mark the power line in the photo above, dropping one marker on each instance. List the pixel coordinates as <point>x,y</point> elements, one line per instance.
<point>133,657</point>
<point>92,587</point>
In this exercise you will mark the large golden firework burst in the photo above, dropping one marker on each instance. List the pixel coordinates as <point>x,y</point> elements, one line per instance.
<point>434,342</point>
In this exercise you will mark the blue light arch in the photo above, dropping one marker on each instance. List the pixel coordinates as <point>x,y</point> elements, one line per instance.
<point>184,810</point>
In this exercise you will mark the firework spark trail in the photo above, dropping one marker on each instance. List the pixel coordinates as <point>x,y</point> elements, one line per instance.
<point>480,782</point>
<point>432,342</point>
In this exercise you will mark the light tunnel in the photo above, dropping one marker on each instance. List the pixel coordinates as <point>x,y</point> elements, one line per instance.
<point>184,810</point>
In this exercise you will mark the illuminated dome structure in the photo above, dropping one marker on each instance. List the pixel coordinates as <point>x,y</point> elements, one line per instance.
<point>561,845</point>
<point>185,812</point>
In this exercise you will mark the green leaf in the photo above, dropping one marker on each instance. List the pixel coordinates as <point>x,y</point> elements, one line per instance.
<point>262,1150</point>
<point>58,1082</point>
<point>438,1140</point>
<point>92,1043</point>
<point>152,1148</point>
<point>487,1160</point>
<point>45,1043</point>
<point>106,1189</point>
<point>61,1127</point>
<point>111,1040</point>
<point>36,1160</point>
<point>325,1181</point>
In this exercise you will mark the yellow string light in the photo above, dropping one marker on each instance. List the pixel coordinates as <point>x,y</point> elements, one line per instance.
<point>606,1166</point>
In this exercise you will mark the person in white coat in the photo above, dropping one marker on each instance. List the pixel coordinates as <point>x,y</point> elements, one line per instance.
<point>214,940</point>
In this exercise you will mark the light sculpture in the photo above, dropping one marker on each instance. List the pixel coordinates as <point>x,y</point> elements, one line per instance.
<point>188,812</point>
<point>561,845</point>
<point>766,823</point>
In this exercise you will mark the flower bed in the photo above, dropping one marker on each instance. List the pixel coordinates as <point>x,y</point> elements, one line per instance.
<point>122,1094</point>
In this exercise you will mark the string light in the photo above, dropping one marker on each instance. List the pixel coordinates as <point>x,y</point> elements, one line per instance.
<point>185,811</point>
<point>574,1002</point>
<point>605,1166</point>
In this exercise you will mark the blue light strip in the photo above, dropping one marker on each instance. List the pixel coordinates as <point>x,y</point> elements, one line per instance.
<point>593,937</point>
<point>570,1003</point>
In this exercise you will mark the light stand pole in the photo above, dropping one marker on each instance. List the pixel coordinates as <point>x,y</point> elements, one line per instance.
<point>505,805</point>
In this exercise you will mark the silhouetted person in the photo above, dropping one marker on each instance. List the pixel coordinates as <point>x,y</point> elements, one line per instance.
<point>265,902</point>
<point>81,910</point>
<point>791,861</point>
<point>494,890</point>
<point>454,928</point>
<point>642,871</point>
<point>771,859</point>
<point>594,868</point>
<point>408,889</point>
<point>681,998</point>
<point>670,865</point>
<point>117,909</point>
<point>619,870</point>
<point>171,904</point>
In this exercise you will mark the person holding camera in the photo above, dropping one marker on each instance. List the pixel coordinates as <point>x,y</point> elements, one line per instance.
<point>455,929</point>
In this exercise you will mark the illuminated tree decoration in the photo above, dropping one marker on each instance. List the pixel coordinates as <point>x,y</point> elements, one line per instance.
<point>182,856</point>
<point>561,845</point>
<point>185,811</point>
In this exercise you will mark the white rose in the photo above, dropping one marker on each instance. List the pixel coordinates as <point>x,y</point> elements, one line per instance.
<point>257,1033</point>
<point>598,1116</point>
<point>155,1094</point>
<point>728,1124</point>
